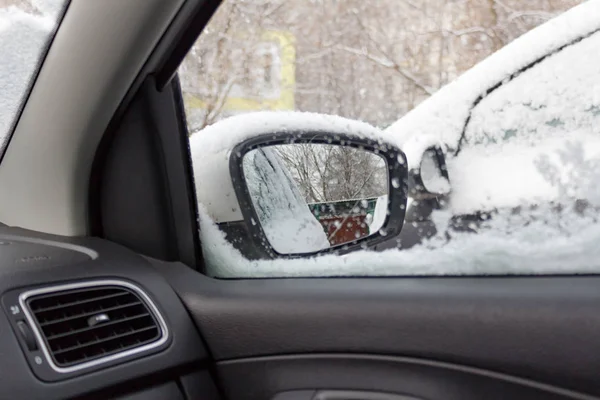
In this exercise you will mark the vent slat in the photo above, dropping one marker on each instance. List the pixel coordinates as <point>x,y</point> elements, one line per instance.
<point>89,314</point>
<point>90,323</point>
<point>78,331</point>
<point>99,341</point>
<point>77,303</point>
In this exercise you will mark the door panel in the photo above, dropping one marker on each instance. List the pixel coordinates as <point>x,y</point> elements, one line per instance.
<point>542,329</point>
<point>363,377</point>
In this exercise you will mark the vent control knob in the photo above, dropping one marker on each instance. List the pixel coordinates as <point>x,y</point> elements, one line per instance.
<point>27,335</point>
<point>98,319</point>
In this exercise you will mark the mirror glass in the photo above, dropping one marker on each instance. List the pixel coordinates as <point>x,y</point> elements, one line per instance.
<point>431,174</point>
<point>310,197</point>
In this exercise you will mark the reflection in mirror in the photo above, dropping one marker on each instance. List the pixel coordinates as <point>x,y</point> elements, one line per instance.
<point>431,174</point>
<point>310,197</point>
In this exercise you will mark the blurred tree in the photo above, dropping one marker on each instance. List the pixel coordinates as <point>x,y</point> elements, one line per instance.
<point>368,60</point>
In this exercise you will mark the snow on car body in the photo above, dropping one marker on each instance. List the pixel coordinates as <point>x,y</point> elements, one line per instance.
<point>521,127</point>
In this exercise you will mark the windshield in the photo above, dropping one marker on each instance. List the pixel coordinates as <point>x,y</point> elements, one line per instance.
<point>26,30</point>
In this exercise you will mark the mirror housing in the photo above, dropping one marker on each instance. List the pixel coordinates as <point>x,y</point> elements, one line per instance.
<point>397,172</point>
<point>430,179</point>
<point>428,184</point>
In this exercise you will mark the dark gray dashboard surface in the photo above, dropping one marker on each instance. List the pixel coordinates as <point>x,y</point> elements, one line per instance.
<point>545,329</point>
<point>28,260</point>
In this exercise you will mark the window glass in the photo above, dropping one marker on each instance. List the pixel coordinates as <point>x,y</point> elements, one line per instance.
<point>26,29</point>
<point>421,73</point>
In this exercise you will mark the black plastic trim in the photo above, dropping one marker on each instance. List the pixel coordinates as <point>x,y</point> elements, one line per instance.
<point>397,197</point>
<point>50,370</point>
<point>237,234</point>
<point>142,194</point>
<point>164,60</point>
<point>192,27</point>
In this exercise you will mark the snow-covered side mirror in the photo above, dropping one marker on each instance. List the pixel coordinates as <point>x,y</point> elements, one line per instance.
<point>430,180</point>
<point>305,193</point>
<point>295,184</point>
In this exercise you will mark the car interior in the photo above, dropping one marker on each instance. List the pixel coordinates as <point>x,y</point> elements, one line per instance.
<point>106,294</point>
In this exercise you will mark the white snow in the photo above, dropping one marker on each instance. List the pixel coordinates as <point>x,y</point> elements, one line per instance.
<point>379,214</point>
<point>282,212</point>
<point>23,38</point>
<point>512,245</point>
<point>415,146</point>
<point>50,8</point>
<point>546,109</point>
<point>514,174</point>
<point>229,132</point>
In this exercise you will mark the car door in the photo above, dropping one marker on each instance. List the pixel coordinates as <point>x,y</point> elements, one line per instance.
<point>315,330</point>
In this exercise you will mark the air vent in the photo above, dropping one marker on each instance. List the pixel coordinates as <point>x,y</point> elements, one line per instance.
<point>86,324</point>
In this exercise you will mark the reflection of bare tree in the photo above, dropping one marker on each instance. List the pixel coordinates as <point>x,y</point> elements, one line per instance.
<point>330,173</point>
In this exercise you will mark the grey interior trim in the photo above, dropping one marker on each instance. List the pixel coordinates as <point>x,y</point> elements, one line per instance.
<point>265,377</point>
<point>541,328</point>
<point>46,168</point>
<point>23,378</point>
<point>68,246</point>
<point>78,285</point>
<point>414,361</point>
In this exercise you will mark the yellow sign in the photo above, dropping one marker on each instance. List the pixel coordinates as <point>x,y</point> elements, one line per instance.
<point>280,99</point>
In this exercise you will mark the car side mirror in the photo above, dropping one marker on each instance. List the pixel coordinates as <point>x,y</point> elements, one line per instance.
<point>311,186</point>
<point>309,193</point>
<point>430,180</point>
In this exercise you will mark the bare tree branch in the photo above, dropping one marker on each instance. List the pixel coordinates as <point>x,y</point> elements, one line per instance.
<point>388,63</point>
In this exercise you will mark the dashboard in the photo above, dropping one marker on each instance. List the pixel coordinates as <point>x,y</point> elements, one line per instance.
<point>86,318</point>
